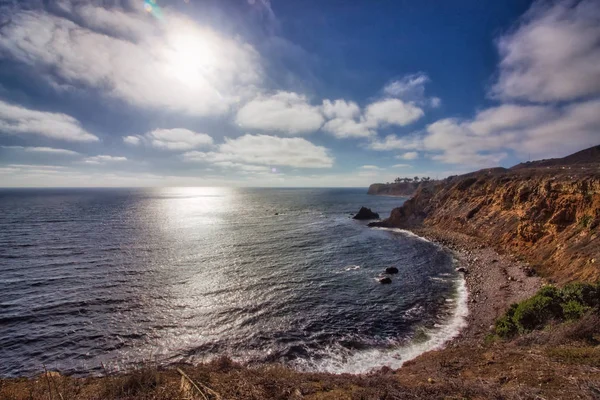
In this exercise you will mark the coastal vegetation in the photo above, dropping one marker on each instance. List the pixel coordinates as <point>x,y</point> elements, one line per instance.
<point>549,305</point>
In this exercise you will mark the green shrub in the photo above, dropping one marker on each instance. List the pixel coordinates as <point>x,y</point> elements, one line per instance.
<point>505,327</point>
<point>550,303</point>
<point>584,293</point>
<point>535,312</point>
<point>574,309</point>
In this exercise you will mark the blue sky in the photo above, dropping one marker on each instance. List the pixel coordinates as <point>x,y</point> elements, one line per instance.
<point>290,93</point>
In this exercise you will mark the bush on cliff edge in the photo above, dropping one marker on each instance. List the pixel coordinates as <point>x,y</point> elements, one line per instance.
<point>549,304</point>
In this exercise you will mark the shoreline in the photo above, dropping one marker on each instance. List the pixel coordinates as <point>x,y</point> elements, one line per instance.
<point>494,281</point>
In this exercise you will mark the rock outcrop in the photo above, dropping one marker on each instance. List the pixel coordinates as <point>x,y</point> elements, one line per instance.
<point>548,215</point>
<point>391,270</point>
<point>366,213</point>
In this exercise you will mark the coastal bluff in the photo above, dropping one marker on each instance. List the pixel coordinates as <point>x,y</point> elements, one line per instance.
<point>401,189</point>
<point>547,212</point>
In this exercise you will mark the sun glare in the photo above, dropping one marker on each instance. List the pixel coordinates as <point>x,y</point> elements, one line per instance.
<point>190,57</point>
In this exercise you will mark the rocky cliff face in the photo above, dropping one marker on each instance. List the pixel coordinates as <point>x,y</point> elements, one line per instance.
<point>549,216</point>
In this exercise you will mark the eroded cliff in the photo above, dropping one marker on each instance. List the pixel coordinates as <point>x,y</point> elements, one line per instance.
<point>550,215</point>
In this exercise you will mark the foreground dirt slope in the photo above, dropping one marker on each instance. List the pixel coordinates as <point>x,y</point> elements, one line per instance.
<point>548,215</point>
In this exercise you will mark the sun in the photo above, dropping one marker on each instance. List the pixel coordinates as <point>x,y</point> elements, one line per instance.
<point>190,57</point>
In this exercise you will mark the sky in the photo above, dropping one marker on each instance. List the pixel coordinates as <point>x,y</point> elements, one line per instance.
<point>290,93</point>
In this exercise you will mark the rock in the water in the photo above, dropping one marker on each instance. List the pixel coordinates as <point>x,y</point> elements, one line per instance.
<point>366,213</point>
<point>391,270</point>
<point>462,269</point>
<point>385,280</point>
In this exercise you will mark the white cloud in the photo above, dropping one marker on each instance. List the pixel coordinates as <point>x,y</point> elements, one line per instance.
<point>285,112</point>
<point>401,166</point>
<point>132,140</point>
<point>340,109</point>
<point>49,150</point>
<point>508,116</point>
<point>168,64</point>
<point>171,139</point>
<point>177,139</point>
<point>393,142</point>
<point>19,120</point>
<point>266,150</point>
<point>553,55</point>
<point>410,155</point>
<point>243,167</point>
<point>549,131</point>
<point>409,87</point>
<point>371,168</point>
<point>103,159</point>
<point>347,121</point>
<point>347,128</point>
<point>392,112</point>
<point>577,126</point>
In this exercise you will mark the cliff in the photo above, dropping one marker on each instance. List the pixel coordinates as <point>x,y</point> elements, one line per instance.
<point>405,189</point>
<point>547,212</point>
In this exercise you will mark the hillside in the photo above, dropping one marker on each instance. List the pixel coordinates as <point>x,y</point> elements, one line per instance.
<point>588,158</point>
<point>546,211</point>
<point>405,189</point>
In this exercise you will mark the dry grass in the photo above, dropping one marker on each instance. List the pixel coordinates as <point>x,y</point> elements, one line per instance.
<point>560,362</point>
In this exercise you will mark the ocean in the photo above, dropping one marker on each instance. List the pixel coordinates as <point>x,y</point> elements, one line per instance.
<point>104,279</point>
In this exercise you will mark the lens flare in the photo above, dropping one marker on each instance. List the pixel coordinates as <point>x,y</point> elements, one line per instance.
<point>152,8</point>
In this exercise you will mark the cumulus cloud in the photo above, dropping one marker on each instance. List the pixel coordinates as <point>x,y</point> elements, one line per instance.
<point>539,131</point>
<point>394,142</point>
<point>243,167</point>
<point>103,159</point>
<point>549,81</point>
<point>285,112</point>
<point>410,155</point>
<point>47,150</point>
<point>348,122</point>
<point>370,168</point>
<point>553,54</point>
<point>340,109</point>
<point>171,139</point>
<point>266,150</point>
<point>19,120</point>
<point>178,139</point>
<point>172,64</point>
<point>409,87</point>
<point>392,112</point>
<point>401,166</point>
<point>132,140</point>
<point>348,128</point>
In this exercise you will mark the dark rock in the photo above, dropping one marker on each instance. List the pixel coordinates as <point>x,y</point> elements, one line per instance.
<point>529,271</point>
<point>366,213</point>
<point>276,213</point>
<point>391,270</point>
<point>385,280</point>
<point>462,269</point>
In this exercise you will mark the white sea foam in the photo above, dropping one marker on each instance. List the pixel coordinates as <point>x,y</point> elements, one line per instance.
<point>342,361</point>
<point>403,232</point>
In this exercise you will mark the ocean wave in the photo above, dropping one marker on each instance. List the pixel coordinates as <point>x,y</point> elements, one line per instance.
<point>340,360</point>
